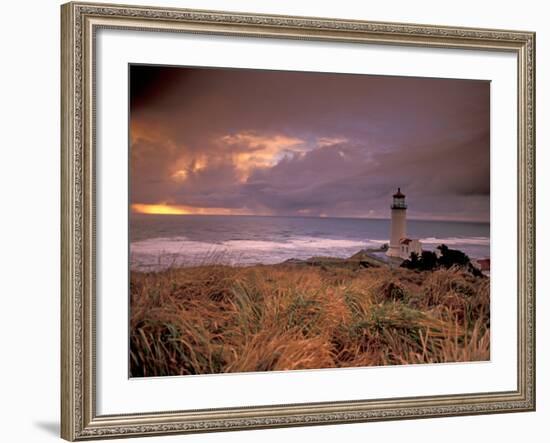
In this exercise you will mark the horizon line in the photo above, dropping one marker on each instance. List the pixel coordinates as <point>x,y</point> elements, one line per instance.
<point>315,217</point>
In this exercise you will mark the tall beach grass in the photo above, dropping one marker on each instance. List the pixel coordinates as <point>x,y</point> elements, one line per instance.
<point>217,319</point>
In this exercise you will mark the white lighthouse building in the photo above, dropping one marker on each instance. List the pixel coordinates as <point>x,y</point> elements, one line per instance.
<point>400,245</point>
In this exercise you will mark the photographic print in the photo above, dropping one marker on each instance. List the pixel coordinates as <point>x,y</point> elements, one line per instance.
<point>286,220</point>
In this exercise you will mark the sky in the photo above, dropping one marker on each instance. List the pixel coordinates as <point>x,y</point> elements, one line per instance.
<point>256,142</point>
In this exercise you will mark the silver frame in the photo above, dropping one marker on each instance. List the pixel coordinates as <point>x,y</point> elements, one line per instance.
<point>80,21</point>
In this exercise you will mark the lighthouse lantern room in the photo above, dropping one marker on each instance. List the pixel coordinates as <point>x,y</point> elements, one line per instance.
<point>399,200</point>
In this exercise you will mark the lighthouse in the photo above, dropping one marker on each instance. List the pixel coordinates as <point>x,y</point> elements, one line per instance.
<point>398,223</point>
<point>400,245</point>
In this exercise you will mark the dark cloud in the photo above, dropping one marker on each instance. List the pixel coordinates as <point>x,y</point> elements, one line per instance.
<point>309,143</point>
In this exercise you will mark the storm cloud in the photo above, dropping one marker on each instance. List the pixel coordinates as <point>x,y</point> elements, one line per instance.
<point>236,141</point>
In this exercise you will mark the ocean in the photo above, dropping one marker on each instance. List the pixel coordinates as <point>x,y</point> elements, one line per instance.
<point>161,241</point>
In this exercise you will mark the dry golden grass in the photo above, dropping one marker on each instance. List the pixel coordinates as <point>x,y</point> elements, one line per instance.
<point>215,319</point>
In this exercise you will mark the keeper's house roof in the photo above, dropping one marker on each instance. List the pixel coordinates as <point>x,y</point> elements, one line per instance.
<point>405,241</point>
<point>484,264</point>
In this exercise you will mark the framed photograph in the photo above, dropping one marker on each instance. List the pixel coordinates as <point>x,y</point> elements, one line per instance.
<point>283,221</point>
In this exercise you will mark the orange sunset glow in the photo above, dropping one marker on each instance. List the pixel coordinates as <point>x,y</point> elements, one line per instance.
<point>167,209</point>
<point>159,209</point>
<point>261,151</point>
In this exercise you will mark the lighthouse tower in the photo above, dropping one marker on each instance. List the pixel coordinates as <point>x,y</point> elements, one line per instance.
<point>398,224</point>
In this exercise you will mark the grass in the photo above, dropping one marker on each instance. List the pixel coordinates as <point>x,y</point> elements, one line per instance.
<point>217,319</point>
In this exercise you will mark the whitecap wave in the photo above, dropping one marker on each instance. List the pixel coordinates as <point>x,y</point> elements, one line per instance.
<point>481,241</point>
<point>163,252</point>
<point>180,251</point>
<point>296,243</point>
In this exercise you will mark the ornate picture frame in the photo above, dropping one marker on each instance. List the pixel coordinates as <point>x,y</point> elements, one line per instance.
<point>80,23</point>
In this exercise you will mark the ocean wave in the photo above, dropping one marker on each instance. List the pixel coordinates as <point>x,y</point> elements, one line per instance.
<point>179,244</point>
<point>294,243</point>
<point>162,252</point>
<point>169,245</point>
<point>482,241</point>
